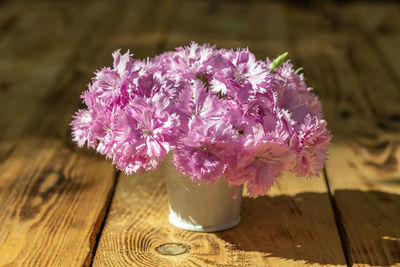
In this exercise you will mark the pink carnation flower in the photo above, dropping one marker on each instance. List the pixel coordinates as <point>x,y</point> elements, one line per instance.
<point>81,129</point>
<point>145,130</point>
<point>259,165</point>
<point>200,154</point>
<point>293,93</point>
<point>310,142</point>
<point>239,76</point>
<point>223,113</point>
<point>110,85</point>
<point>189,62</point>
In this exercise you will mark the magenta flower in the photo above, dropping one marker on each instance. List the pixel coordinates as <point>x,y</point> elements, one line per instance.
<point>200,154</point>
<point>260,166</point>
<point>267,163</point>
<point>239,76</point>
<point>310,142</point>
<point>190,62</point>
<point>110,85</point>
<point>81,129</point>
<point>91,126</point>
<point>222,112</point>
<point>145,130</point>
<point>293,94</point>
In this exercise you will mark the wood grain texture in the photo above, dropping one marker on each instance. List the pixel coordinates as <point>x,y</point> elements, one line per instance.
<point>364,177</point>
<point>220,24</point>
<point>127,32</point>
<point>57,105</point>
<point>380,24</point>
<point>53,197</point>
<point>60,227</point>
<point>292,226</point>
<point>360,98</point>
<point>10,15</point>
<point>380,27</point>
<point>52,200</point>
<point>32,60</point>
<point>363,170</point>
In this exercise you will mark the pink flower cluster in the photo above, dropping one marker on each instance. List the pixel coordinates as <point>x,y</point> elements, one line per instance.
<point>223,113</point>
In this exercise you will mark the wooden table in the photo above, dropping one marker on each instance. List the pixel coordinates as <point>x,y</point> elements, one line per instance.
<point>65,206</point>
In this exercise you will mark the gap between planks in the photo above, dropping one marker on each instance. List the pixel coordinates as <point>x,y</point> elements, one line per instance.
<point>338,220</point>
<point>100,223</point>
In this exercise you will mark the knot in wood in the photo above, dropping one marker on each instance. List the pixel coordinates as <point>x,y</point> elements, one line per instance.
<point>172,249</point>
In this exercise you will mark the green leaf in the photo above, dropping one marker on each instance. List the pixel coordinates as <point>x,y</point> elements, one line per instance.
<point>278,61</point>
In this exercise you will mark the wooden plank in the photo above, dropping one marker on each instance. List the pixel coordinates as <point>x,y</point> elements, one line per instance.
<point>364,177</point>
<point>220,24</point>
<point>239,20</point>
<point>369,204</point>
<point>93,53</point>
<point>53,200</point>
<point>292,226</point>
<point>54,196</point>
<point>31,59</point>
<point>51,114</point>
<point>11,14</point>
<point>362,168</point>
<point>380,23</point>
<point>322,49</point>
<point>380,27</point>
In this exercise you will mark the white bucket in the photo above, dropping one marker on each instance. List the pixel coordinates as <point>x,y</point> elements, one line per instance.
<point>202,208</point>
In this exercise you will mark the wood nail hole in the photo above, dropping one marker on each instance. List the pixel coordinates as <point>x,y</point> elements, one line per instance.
<point>172,249</point>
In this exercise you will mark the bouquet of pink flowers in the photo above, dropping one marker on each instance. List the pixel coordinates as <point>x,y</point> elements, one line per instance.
<point>222,112</point>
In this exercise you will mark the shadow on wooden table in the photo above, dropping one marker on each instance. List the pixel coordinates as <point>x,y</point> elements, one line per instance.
<point>299,228</point>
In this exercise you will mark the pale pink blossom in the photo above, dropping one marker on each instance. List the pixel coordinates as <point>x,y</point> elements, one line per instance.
<point>310,142</point>
<point>222,112</point>
<point>200,154</point>
<point>259,166</point>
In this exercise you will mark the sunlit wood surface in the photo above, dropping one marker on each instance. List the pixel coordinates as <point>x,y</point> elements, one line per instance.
<point>65,206</point>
